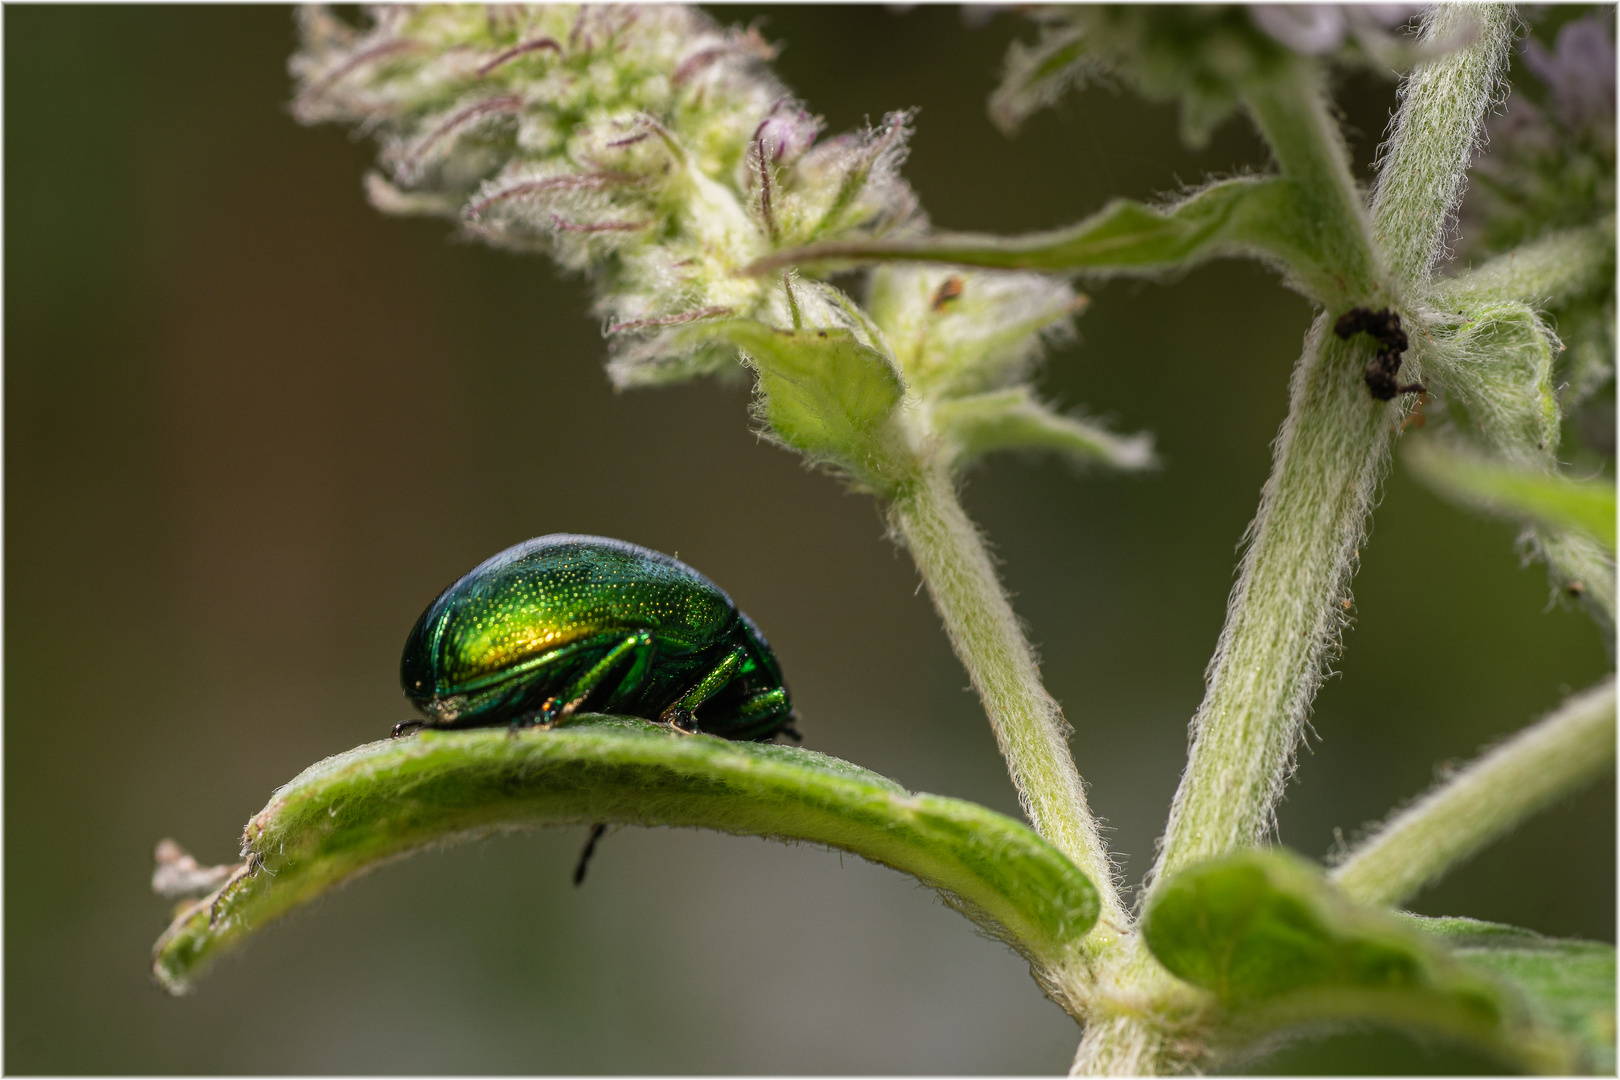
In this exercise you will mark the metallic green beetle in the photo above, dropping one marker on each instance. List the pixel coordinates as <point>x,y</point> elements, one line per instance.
<point>533,634</point>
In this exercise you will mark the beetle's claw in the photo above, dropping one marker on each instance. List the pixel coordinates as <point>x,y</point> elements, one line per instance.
<point>406,727</point>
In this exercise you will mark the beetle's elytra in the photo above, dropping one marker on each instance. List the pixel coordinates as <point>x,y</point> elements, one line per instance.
<point>554,624</point>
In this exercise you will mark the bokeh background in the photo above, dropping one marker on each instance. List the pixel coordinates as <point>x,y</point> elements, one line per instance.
<point>252,427</point>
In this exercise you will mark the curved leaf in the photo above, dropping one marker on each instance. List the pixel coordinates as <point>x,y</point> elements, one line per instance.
<point>350,813</point>
<point>1244,216</point>
<point>1526,494</point>
<point>1568,984</point>
<point>1278,947</point>
<point>1493,364</point>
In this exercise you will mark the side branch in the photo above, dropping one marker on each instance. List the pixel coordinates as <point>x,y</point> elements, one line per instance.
<point>1292,114</point>
<point>1442,113</point>
<point>1028,724</point>
<point>1285,612</point>
<point>1545,271</point>
<point>1553,758</point>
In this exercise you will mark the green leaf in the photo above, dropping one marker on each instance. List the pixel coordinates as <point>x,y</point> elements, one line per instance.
<point>1493,364</point>
<point>1278,947</point>
<point>1015,420</point>
<point>1261,217</point>
<point>1523,494</point>
<point>353,812</point>
<point>825,393</point>
<point>1569,985</point>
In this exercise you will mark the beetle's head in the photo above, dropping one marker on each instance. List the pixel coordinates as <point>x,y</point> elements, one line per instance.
<point>418,671</point>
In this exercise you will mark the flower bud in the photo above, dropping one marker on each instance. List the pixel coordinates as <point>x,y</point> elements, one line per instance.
<point>786,132</point>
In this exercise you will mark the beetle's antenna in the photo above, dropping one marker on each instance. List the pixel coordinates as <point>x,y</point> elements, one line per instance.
<point>597,831</point>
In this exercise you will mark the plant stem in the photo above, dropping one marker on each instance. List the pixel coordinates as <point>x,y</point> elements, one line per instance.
<point>1292,114</point>
<point>1285,610</point>
<point>1583,568</point>
<point>1029,726</point>
<point>1535,768</point>
<point>1140,1019</point>
<point>1334,446</point>
<point>1425,163</point>
<point>1541,272</point>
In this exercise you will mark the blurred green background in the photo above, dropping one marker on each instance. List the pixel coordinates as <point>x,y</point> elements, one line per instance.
<point>253,427</point>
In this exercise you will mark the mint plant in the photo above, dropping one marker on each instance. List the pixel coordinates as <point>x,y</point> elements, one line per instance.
<point>651,149</point>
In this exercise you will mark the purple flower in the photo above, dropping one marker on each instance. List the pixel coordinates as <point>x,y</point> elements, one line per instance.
<point>1319,29</point>
<point>1579,73</point>
<point>786,132</point>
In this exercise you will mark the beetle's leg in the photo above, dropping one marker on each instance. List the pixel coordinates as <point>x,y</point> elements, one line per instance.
<point>561,707</point>
<point>585,854</point>
<point>679,715</point>
<point>772,707</point>
<point>405,727</point>
<point>768,709</point>
<point>641,667</point>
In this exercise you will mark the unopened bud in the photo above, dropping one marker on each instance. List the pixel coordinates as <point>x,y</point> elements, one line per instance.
<point>786,132</point>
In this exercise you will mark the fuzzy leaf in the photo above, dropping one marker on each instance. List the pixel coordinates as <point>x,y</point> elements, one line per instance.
<point>1015,420</point>
<point>1568,984</point>
<point>1494,366</point>
<point>1520,493</point>
<point>1278,947</point>
<point>1245,216</point>
<point>352,812</point>
<point>825,393</point>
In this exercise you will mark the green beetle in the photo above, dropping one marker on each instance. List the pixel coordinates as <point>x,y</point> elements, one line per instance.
<point>530,636</point>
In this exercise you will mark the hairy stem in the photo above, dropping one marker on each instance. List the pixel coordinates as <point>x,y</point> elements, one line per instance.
<point>1544,271</point>
<point>1286,609</point>
<point>1584,569</point>
<point>1551,759</point>
<point>1141,1020</point>
<point>1438,125</point>
<point>1029,726</point>
<point>1292,114</point>
<point>1284,612</point>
